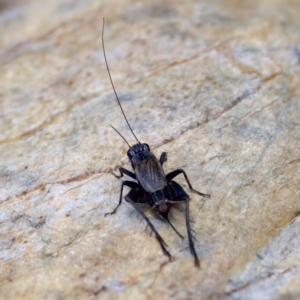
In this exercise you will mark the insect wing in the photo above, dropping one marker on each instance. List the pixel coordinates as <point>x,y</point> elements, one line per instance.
<point>151,175</point>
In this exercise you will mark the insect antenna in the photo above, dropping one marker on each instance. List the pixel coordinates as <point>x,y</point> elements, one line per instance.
<point>114,86</point>
<point>120,135</point>
<point>174,227</point>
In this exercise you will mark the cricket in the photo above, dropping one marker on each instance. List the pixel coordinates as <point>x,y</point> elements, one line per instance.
<point>151,186</point>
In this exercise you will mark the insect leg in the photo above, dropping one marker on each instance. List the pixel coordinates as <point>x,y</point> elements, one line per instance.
<point>162,243</point>
<point>175,173</point>
<point>190,237</point>
<point>126,172</point>
<point>179,196</point>
<point>127,183</point>
<point>163,158</point>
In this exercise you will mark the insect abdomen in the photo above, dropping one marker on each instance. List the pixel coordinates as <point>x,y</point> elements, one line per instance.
<point>157,197</point>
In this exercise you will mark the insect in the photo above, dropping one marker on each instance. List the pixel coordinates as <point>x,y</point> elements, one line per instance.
<point>151,185</point>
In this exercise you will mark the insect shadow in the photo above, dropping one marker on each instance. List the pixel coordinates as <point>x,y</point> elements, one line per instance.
<point>151,185</point>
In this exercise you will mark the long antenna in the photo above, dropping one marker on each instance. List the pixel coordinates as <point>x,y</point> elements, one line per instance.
<point>120,135</point>
<point>113,84</point>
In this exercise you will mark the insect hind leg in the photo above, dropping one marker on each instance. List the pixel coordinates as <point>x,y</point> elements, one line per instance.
<point>179,196</point>
<point>131,198</point>
<point>177,172</point>
<point>190,237</point>
<point>178,193</point>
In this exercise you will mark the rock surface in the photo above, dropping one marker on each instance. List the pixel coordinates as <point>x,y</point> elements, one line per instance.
<point>214,84</point>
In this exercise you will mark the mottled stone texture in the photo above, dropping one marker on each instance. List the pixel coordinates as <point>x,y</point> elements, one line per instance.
<point>215,84</point>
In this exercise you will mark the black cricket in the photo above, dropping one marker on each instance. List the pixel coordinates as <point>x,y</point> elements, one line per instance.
<point>153,186</point>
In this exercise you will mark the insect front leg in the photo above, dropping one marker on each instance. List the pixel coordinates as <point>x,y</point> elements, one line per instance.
<point>126,172</point>
<point>127,183</point>
<point>160,240</point>
<point>175,173</point>
<point>163,158</point>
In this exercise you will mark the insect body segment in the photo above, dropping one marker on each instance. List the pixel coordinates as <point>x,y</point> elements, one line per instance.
<point>152,186</point>
<point>148,170</point>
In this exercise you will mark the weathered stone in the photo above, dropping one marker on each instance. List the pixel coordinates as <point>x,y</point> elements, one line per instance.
<point>215,85</point>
